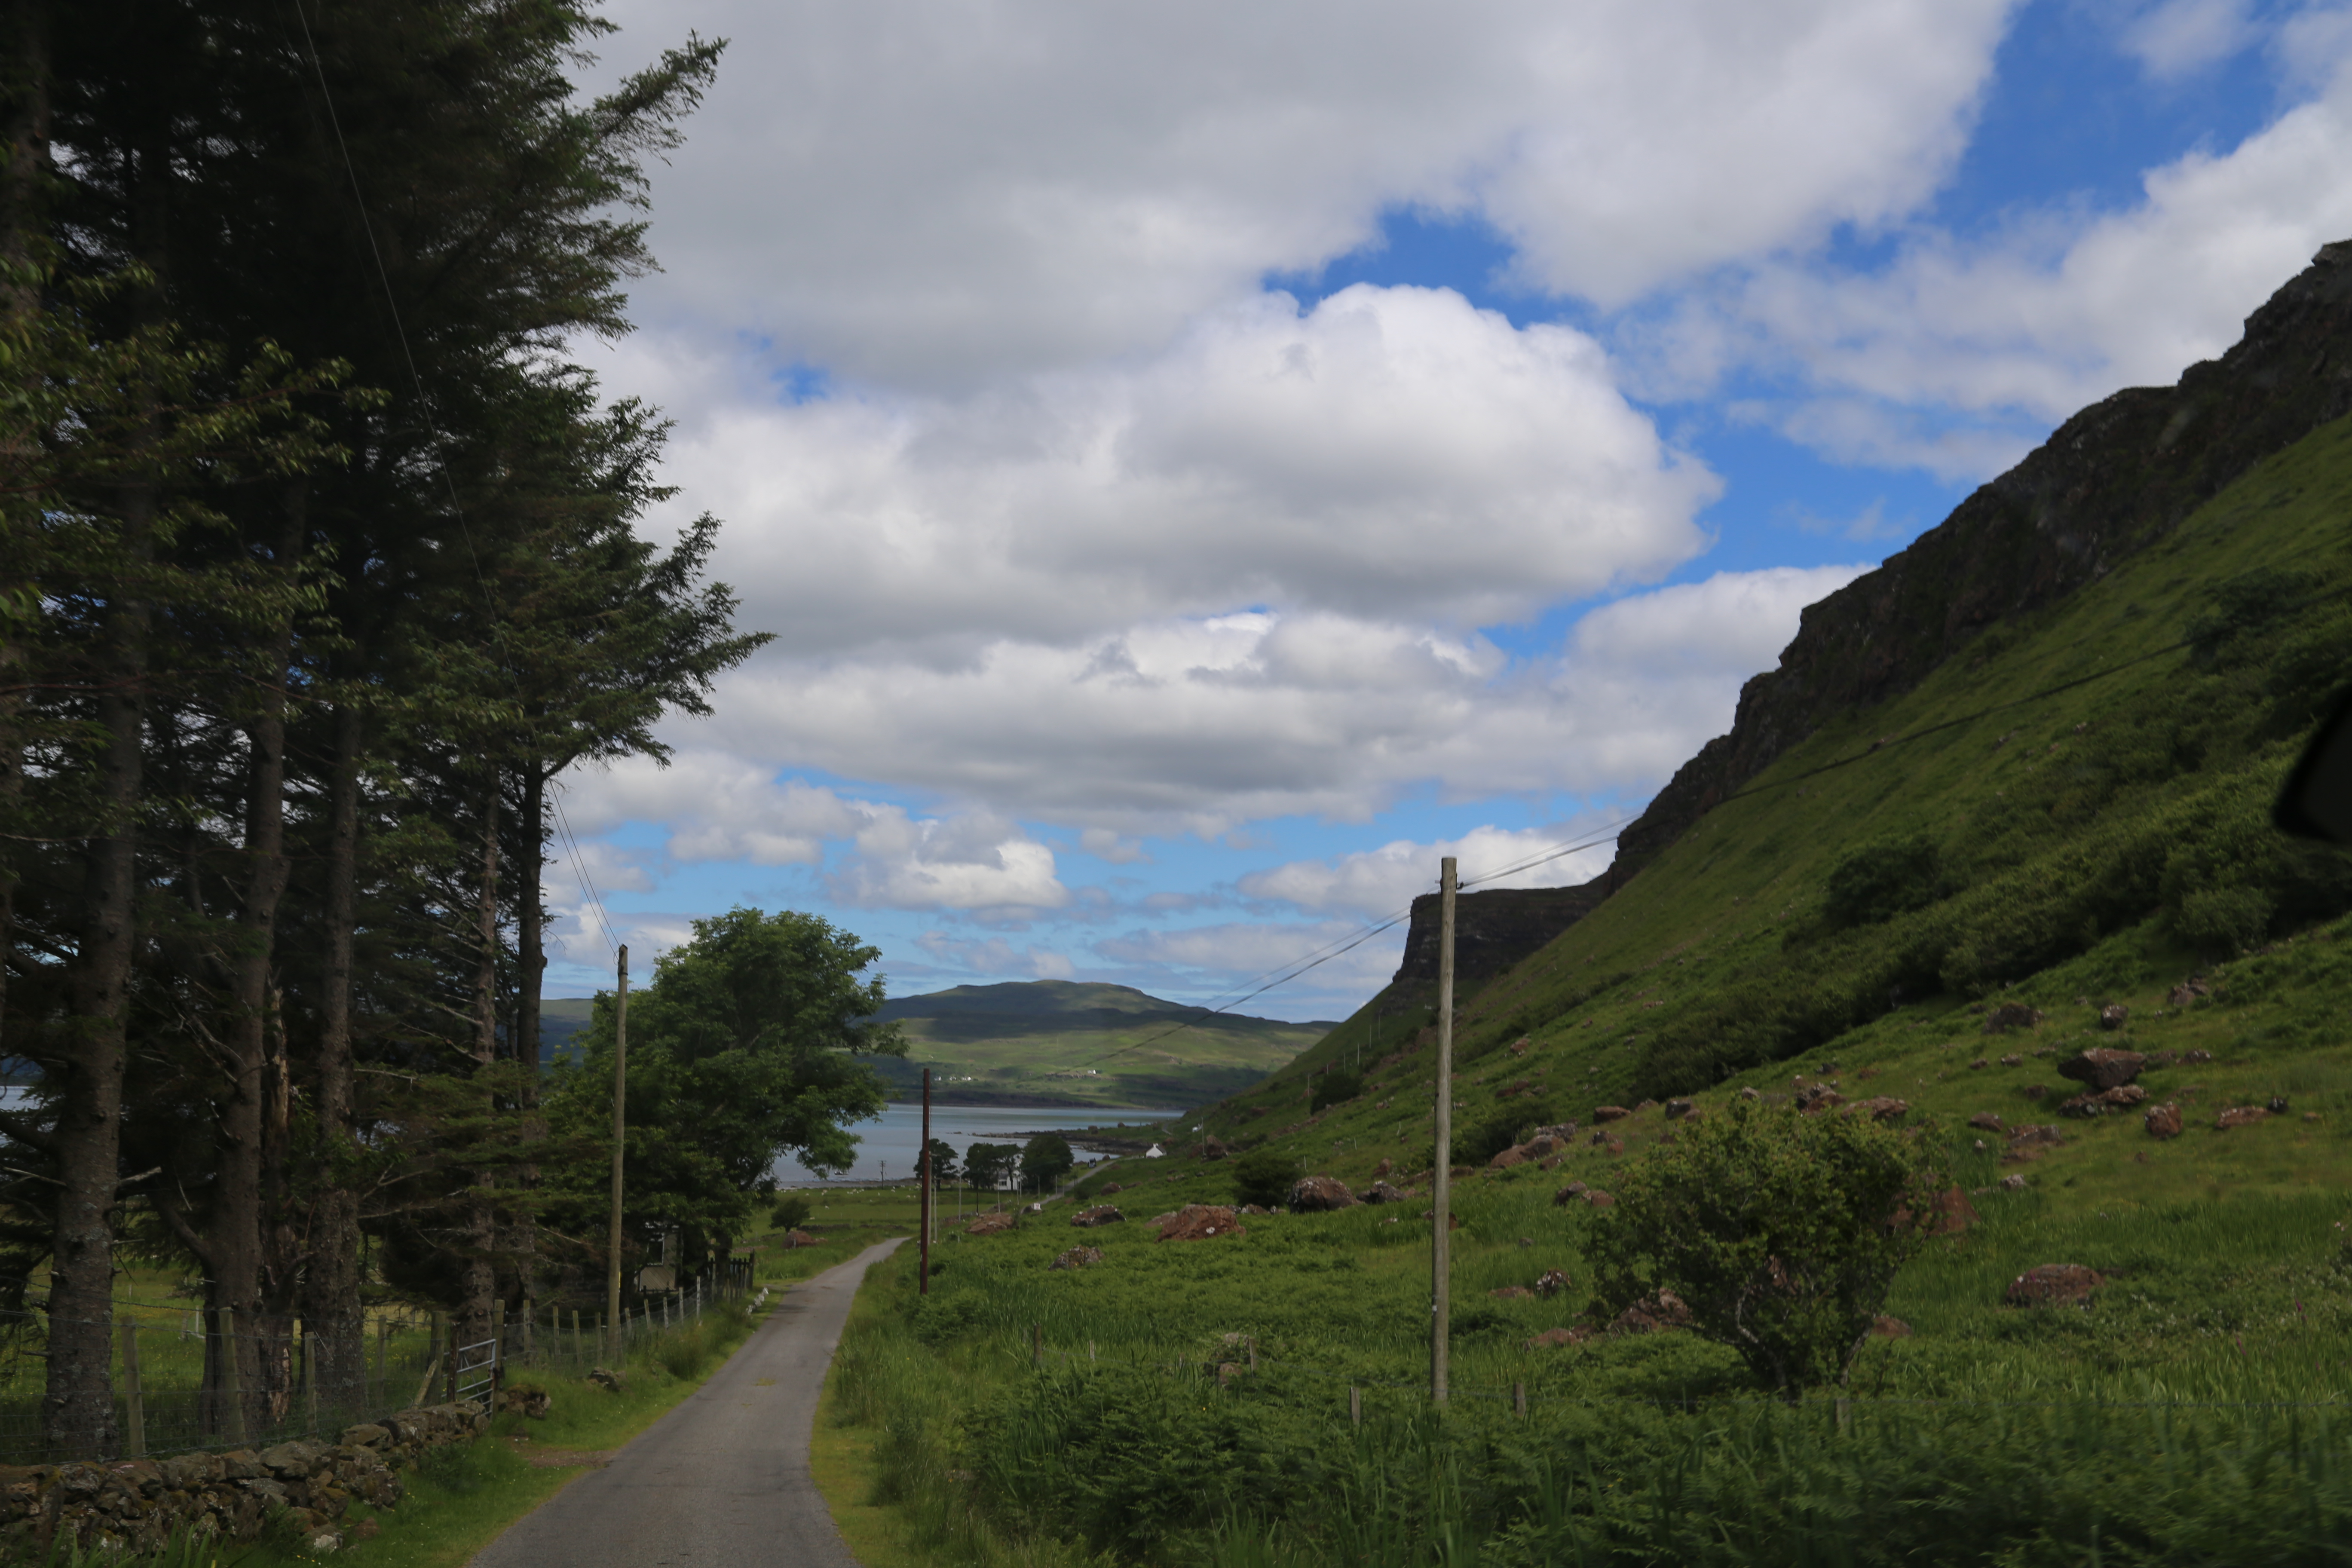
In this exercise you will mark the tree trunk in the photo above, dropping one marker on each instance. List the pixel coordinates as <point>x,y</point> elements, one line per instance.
<point>334,1318</point>
<point>253,1119</point>
<point>77,1406</point>
<point>480,1275</point>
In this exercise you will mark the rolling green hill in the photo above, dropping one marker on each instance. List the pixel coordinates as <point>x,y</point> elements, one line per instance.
<point>1057,1042</point>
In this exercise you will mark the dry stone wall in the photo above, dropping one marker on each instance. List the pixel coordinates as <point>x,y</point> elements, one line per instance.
<point>140,1504</point>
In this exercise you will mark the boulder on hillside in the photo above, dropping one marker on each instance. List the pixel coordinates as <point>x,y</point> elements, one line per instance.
<point>2163,1120</point>
<point>1610,1113</point>
<point>1553,1338</point>
<point>2010,1015</point>
<point>1816,1097</point>
<point>1381,1192</point>
<point>1652,1315</point>
<point>1110,1187</point>
<point>2241,1116</point>
<point>2103,1102</point>
<point>1567,1195</point>
<point>1104,1214</point>
<point>1383,1168</point>
<point>1879,1108</point>
<point>1952,1212</point>
<point>798,1238</point>
<point>1201,1222</point>
<point>1077,1258</point>
<point>2188,992</point>
<point>2103,1068</point>
<point>1677,1109</point>
<point>989,1224</point>
<point>2113,1016</point>
<point>2055,1285</point>
<point>1988,1121</point>
<point>1319,1194</point>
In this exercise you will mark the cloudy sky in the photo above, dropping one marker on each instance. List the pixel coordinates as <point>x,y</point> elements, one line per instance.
<point>1202,463</point>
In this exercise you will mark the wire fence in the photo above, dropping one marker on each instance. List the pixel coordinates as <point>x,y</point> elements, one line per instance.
<point>184,1379</point>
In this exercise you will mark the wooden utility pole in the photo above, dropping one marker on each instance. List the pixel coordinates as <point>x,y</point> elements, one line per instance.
<point>924,1287</point>
<point>1441,1245</point>
<point>620,1132</point>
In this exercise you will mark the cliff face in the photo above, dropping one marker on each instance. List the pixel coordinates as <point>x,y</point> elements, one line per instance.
<point>2114,479</point>
<point>1492,930</point>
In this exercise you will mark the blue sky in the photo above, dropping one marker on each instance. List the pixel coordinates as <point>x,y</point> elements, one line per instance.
<point>1203,464</point>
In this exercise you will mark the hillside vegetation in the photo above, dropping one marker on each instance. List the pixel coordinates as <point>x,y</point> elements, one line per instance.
<point>2058,839</point>
<point>1058,1042</point>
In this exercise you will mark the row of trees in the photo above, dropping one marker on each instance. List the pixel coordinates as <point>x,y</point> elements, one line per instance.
<point>318,567</point>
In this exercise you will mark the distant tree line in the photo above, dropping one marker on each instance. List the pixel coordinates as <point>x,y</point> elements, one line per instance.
<point>317,569</point>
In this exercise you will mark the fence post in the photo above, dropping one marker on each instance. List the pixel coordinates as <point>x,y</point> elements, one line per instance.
<point>1519,1398</point>
<point>445,1338</point>
<point>575,1334</point>
<point>497,1349</point>
<point>309,1382</point>
<point>1355,1405</point>
<point>135,1439</point>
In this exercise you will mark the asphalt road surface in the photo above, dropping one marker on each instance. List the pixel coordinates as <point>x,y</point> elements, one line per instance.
<point>721,1482</point>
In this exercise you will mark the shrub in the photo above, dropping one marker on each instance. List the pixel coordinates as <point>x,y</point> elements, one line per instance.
<point>1334,1087</point>
<point>1883,879</point>
<point>1781,1232</point>
<point>1263,1176</point>
<point>791,1211</point>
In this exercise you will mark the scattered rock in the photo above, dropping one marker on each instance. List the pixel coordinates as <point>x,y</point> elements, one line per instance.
<point>2241,1116</point>
<point>798,1238</point>
<point>2188,992</point>
<point>1104,1214</point>
<point>1610,1113</point>
<point>1319,1194</point>
<point>1651,1315</point>
<point>1203,1222</point>
<point>2104,1067</point>
<point>1818,1097</point>
<point>1597,1199</point>
<point>2031,1142</point>
<point>1520,1047</point>
<point>1383,1168</point>
<point>2010,1015</point>
<point>1952,1213</point>
<point>1512,1293</point>
<point>989,1224</point>
<point>526,1399</point>
<point>2113,1016</point>
<point>1879,1108</point>
<point>1567,1195</point>
<point>2190,1059</point>
<point>2123,1097</point>
<point>1254,1208</point>
<point>2055,1285</point>
<point>1552,1338</point>
<point>607,1379</point>
<point>2012,1060</point>
<point>1381,1192</point>
<point>1751,1094</point>
<point>1551,1282</point>
<point>1613,1146</point>
<point>1987,1121</point>
<point>2012,1182</point>
<point>1110,1187</point>
<point>1978,1064</point>
<point>1078,1257</point>
<point>1885,1328</point>
<point>1677,1109</point>
<point>2163,1120</point>
<point>2034,1090</point>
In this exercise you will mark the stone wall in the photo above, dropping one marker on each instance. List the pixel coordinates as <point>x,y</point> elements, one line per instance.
<point>138,1504</point>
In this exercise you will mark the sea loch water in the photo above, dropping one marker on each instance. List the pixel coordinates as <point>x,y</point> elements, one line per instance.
<point>889,1146</point>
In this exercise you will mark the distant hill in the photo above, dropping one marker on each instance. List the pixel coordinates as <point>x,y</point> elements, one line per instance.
<point>1047,1042</point>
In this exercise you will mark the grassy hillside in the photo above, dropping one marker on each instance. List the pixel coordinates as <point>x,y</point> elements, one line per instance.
<point>2102,843</point>
<point>1048,1041</point>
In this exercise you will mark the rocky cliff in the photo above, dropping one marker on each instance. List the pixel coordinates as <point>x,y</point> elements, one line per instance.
<point>2112,481</point>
